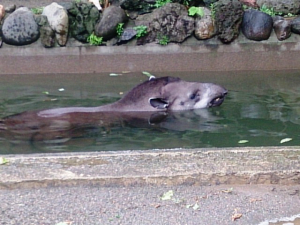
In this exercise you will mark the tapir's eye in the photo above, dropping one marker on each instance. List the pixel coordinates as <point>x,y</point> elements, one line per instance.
<point>193,96</point>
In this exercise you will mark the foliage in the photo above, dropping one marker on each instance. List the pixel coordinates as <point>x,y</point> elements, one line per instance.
<point>94,40</point>
<point>37,10</point>
<point>163,40</point>
<point>186,2</point>
<point>160,3</point>
<point>120,29</point>
<point>213,10</point>
<point>141,31</point>
<point>193,11</point>
<point>269,11</point>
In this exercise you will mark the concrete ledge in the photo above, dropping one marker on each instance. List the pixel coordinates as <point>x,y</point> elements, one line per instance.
<point>208,55</point>
<point>272,165</point>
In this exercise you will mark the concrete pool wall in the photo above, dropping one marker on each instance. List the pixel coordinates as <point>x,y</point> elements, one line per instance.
<point>211,55</point>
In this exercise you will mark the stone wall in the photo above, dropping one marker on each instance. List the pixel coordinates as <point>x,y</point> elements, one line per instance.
<point>133,22</point>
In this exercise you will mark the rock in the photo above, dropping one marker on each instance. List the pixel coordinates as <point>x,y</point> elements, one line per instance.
<point>2,12</point>
<point>11,8</point>
<point>296,25</point>
<point>59,22</point>
<point>127,35</point>
<point>83,18</point>
<point>257,25</point>
<point>47,35</point>
<point>112,16</point>
<point>204,26</point>
<point>20,28</point>
<point>228,17</point>
<point>282,28</point>
<point>140,6</point>
<point>281,6</point>
<point>170,21</point>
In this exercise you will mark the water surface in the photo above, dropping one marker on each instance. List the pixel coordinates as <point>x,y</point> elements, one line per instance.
<point>261,109</point>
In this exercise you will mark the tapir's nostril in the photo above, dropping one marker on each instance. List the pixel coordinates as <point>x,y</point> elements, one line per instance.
<point>225,93</point>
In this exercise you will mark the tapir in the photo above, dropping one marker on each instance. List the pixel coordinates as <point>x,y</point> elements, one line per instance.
<point>147,103</point>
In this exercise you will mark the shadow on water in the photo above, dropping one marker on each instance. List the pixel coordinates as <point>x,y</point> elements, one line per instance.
<point>261,109</point>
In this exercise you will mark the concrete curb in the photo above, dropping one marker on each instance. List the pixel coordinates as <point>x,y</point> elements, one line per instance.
<point>271,165</point>
<point>208,55</point>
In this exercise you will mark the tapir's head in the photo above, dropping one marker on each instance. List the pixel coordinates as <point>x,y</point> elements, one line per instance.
<point>169,93</point>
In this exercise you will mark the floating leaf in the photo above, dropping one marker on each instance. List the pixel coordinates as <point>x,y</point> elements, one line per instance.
<point>285,140</point>
<point>114,74</point>
<point>167,196</point>
<point>45,92</point>
<point>125,71</point>
<point>61,89</point>
<point>243,141</point>
<point>3,161</point>
<point>196,206</point>
<point>147,74</point>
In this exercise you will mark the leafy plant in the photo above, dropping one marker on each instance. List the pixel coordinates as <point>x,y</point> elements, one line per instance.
<point>120,29</point>
<point>186,2</point>
<point>141,31</point>
<point>94,40</point>
<point>199,11</point>
<point>160,3</point>
<point>163,40</point>
<point>37,10</point>
<point>213,10</point>
<point>267,10</point>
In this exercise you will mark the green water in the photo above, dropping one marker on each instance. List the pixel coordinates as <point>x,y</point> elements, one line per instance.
<point>262,108</point>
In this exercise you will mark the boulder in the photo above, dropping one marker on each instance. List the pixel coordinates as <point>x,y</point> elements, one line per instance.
<point>281,6</point>
<point>228,17</point>
<point>296,25</point>
<point>112,16</point>
<point>47,36</point>
<point>257,25</point>
<point>205,27</point>
<point>83,17</point>
<point>58,21</point>
<point>282,28</point>
<point>127,35</point>
<point>20,28</point>
<point>170,21</point>
<point>10,8</point>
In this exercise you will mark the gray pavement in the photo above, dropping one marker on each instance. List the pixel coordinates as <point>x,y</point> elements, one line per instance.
<point>210,186</point>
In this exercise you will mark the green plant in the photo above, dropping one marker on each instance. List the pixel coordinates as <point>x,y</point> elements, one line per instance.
<point>267,10</point>
<point>160,3</point>
<point>186,2</point>
<point>94,40</point>
<point>37,10</point>
<point>141,31</point>
<point>199,11</point>
<point>163,40</point>
<point>120,29</point>
<point>213,10</point>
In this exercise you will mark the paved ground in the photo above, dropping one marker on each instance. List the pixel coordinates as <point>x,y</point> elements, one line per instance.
<point>210,186</point>
<point>191,205</point>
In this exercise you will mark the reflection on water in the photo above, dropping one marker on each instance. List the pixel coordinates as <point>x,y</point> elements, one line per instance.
<point>261,107</point>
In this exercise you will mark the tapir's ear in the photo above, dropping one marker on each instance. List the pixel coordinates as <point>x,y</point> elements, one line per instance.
<point>158,103</point>
<point>152,77</point>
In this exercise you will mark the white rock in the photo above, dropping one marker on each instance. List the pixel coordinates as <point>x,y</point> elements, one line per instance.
<point>59,21</point>
<point>97,4</point>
